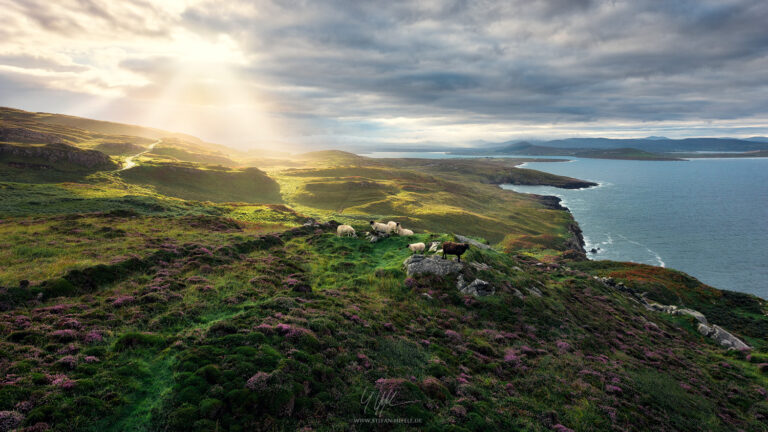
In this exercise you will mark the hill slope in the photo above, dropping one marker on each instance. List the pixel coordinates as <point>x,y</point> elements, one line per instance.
<point>146,299</point>
<point>224,332</point>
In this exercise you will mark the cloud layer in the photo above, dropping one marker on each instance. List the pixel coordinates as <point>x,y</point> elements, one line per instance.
<point>448,71</point>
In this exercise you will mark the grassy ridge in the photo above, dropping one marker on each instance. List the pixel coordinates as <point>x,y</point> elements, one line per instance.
<point>439,202</point>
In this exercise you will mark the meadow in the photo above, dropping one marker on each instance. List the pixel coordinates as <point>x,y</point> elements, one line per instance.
<point>184,295</point>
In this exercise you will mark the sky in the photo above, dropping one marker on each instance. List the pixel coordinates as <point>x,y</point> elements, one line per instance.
<point>358,73</point>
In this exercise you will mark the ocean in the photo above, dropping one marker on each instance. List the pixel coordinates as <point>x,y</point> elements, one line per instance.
<point>705,217</point>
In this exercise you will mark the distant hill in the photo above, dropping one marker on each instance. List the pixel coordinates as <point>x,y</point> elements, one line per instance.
<point>659,145</point>
<point>651,148</point>
<point>528,149</point>
<point>24,126</point>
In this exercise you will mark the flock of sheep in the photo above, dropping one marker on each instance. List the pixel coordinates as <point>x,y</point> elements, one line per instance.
<point>391,227</point>
<point>377,227</point>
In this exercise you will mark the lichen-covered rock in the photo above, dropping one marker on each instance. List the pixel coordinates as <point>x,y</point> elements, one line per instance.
<point>723,337</point>
<point>480,266</point>
<point>475,243</point>
<point>698,316</point>
<point>478,288</point>
<point>432,265</point>
<point>535,291</point>
<point>670,309</point>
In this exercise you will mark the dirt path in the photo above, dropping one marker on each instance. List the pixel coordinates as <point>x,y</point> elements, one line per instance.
<point>129,163</point>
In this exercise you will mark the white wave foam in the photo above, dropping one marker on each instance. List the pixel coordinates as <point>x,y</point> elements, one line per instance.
<point>651,251</point>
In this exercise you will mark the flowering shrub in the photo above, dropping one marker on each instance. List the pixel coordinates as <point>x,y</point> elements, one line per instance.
<point>93,337</point>
<point>454,336</point>
<point>10,420</point>
<point>65,335</point>
<point>123,300</point>
<point>258,382</point>
<point>68,361</point>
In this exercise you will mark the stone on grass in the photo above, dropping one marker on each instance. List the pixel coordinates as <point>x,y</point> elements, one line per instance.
<point>432,265</point>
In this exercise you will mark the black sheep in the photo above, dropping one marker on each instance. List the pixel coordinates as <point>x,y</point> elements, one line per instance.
<point>452,248</point>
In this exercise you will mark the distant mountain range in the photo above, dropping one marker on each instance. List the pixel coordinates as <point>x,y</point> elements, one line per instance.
<point>657,148</point>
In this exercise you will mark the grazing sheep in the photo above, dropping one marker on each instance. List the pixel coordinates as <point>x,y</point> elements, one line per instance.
<point>451,248</point>
<point>433,246</point>
<point>379,227</point>
<point>392,226</point>
<point>345,231</point>
<point>417,247</point>
<point>403,232</point>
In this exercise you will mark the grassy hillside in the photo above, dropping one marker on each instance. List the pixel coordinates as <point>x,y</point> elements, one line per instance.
<point>439,202</point>
<point>181,295</point>
<point>211,328</point>
<point>205,183</point>
<point>115,138</point>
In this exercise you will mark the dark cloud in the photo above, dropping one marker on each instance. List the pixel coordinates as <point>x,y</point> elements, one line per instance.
<point>577,60</point>
<point>337,62</point>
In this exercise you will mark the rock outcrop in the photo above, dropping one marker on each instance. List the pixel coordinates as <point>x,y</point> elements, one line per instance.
<point>478,287</point>
<point>59,153</point>
<point>717,333</point>
<point>432,265</point>
<point>475,243</point>
<point>723,337</point>
<point>698,316</point>
<point>22,135</point>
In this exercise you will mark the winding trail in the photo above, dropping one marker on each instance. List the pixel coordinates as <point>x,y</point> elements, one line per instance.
<point>129,163</point>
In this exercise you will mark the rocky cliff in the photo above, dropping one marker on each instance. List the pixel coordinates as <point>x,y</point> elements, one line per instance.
<point>56,153</point>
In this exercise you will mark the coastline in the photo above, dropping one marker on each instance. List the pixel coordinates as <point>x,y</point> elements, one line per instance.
<point>576,242</point>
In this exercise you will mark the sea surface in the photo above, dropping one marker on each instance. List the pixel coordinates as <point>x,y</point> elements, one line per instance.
<point>706,217</point>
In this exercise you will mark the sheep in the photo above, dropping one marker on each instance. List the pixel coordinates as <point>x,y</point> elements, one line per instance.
<point>345,231</point>
<point>451,248</point>
<point>379,227</point>
<point>403,232</point>
<point>433,246</point>
<point>392,226</point>
<point>417,247</point>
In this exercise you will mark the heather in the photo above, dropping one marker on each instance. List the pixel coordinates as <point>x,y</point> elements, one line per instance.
<point>218,336</point>
<point>130,300</point>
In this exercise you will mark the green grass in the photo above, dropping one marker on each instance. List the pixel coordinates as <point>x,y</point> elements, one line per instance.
<point>216,184</point>
<point>155,304</point>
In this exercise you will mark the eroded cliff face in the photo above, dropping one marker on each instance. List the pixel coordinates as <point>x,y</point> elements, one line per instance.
<point>57,153</point>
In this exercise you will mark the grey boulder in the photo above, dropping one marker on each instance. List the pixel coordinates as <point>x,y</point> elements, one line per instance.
<point>723,337</point>
<point>432,265</point>
<point>478,287</point>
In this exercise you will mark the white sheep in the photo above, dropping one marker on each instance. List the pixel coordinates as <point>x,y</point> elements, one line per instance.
<point>379,227</point>
<point>417,247</point>
<point>345,231</point>
<point>392,226</point>
<point>433,246</point>
<point>403,232</point>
